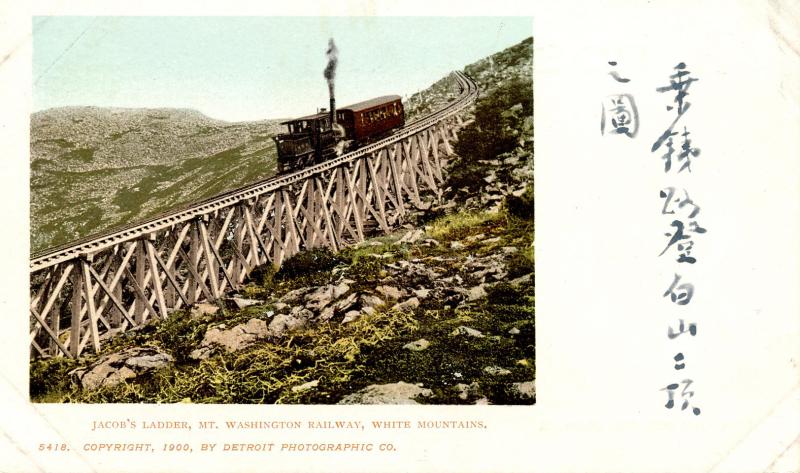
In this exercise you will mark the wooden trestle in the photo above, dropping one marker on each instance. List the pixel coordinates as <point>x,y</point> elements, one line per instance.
<point>111,283</point>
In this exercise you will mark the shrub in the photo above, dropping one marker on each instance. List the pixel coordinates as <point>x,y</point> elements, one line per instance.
<point>503,293</point>
<point>262,275</point>
<point>499,117</point>
<point>307,263</point>
<point>365,269</point>
<point>521,207</point>
<point>520,264</point>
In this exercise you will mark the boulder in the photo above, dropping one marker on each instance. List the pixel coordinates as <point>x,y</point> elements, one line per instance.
<point>351,316</point>
<point>422,293</point>
<point>464,330</point>
<point>446,206</point>
<point>394,393</point>
<point>520,280</point>
<point>324,295</point>
<point>347,302</point>
<point>493,268</point>
<point>526,390</point>
<point>242,303</point>
<point>389,292</point>
<point>409,304</point>
<point>285,323</point>
<point>327,313</point>
<point>203,308</point>
<point>476,292</point>
<point>305,386</point>
<point>496,371</point>
<point>457,245</point>
<point>115,368</point>
<point>467,390</point>
<point>418,345</point>
<point>279,306</point>
<point>295,296</point>
<point>231,340</point>
<point>369,300</point>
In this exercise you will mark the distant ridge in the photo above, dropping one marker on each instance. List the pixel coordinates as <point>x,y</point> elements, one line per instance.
<point>96,167</point>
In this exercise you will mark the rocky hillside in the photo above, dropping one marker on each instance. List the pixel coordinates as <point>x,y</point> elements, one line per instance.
<point>441,311</point>
<point>436,96</point>
<point>94,168</point>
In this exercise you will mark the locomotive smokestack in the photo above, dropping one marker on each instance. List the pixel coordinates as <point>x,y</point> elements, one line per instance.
<point>330,74</point>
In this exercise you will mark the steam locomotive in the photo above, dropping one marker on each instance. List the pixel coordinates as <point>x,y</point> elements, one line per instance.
<point>316,138</point>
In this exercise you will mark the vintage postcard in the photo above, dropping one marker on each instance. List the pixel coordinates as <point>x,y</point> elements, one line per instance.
<point>305,237</point>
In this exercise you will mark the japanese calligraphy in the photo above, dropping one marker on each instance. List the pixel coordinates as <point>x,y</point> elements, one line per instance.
<point>619,111</point>
<point>679,82</point>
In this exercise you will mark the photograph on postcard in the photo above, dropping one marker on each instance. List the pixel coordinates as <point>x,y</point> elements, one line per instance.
<point>239,210</point>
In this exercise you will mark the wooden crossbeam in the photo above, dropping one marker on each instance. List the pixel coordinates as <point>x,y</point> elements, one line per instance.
<point>89,298</point>
<point>212,271</point>
<point>110,294</point>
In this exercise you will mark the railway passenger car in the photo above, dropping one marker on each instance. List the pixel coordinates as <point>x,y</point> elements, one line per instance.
<point>366,121</point>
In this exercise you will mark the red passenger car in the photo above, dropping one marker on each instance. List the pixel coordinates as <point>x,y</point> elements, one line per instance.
<point>369,120</point>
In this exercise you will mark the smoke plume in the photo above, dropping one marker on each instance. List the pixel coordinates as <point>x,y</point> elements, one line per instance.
<point>330,70</point>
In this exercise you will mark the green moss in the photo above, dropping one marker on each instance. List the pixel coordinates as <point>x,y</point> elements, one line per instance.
<point>463,224</point>
<point>49,378</point>
<point>366,269</point>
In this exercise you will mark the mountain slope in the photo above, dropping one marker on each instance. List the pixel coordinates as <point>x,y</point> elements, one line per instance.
<point>93,168</point>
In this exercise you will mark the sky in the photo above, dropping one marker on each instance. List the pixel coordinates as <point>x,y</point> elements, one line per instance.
<point>252,68</point>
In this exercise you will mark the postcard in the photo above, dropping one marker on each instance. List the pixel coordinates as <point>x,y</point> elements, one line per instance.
<point>306,237</point>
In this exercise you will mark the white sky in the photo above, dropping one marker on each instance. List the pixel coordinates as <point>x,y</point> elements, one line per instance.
<point>248,68</point>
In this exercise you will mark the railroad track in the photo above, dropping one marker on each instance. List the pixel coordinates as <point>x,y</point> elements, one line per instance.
<point>100,241</point>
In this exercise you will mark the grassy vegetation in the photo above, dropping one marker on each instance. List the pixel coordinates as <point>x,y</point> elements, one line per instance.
<point>461,225</point>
